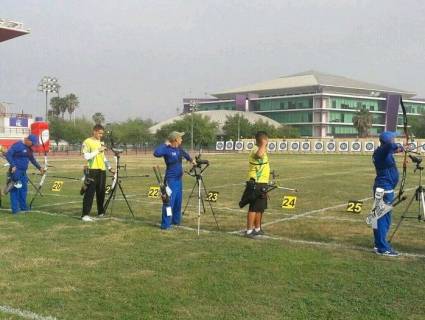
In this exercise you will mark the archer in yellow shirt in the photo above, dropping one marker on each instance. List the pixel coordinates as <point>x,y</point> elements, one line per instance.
<point>258,175</point>
<point>94,153</point>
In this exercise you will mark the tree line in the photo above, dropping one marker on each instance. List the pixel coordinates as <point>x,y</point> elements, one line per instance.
<point>135,132</point>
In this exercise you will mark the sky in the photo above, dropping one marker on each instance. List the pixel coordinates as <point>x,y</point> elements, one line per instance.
<point>139,58</point>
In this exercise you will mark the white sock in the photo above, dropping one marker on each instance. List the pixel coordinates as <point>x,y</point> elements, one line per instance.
<point>257,229</point>
<point>248,231</point>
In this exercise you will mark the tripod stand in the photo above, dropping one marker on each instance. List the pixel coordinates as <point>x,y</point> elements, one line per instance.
<point>116,184</point>
<point>196,172</point>
<point>417,196</point>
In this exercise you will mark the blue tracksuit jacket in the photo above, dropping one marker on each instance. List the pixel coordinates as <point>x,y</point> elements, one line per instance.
<point>19,155</point>
<point>387,177</point>
<point>173,177</point>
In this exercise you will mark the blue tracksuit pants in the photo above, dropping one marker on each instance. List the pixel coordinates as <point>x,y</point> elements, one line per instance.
<point>175,203</point>
<point>384,224</point>
<point>18,197</point>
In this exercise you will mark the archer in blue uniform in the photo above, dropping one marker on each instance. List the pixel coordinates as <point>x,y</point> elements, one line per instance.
<point>19,155</point>
<point>387,177</point>
<point>173,155</point>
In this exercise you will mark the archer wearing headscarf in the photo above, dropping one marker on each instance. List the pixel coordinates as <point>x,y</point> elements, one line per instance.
<point>387,177</point>
<point>19,155</point>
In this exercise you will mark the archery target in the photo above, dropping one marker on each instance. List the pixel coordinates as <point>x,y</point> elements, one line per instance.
<point>330,146</point>
<point>45,135</point>
<point>343,146</point>
<point>238,145</point>
<point>356,146</point>
<point>295,146</point>
<point>219,146</point>
<point>306,146</point>
<point>283,146</point>
<point>229,145</point>
<point>271,146</point>
<point>369,146</point>
<point>249,146</point>
<point>318,146</point>
<point>413,145</point>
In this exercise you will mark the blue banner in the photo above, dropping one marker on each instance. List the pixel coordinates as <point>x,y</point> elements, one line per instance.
<point>18,122</point>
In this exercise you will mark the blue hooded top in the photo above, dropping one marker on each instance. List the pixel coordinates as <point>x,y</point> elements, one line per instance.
<point>387,174</point>
<point>19,155</point>
<point>173,159</point>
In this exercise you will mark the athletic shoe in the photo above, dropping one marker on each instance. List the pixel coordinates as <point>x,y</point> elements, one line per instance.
<point>387,253</point>
<point>391,253</point>
<point>258,233</point>
<point>87,218</point>
<point>250,235</point>
<point>102,215</point>
<point>375,249</point>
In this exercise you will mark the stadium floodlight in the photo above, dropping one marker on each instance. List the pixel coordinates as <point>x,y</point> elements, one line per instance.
<point>193,107</point>
<point>48,85</point>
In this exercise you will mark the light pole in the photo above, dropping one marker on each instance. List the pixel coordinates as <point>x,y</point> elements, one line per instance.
<point>46,85</point>
<point>193,106</point>
<point>239,126</point>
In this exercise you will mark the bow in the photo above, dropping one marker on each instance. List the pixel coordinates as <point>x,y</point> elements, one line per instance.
<point>43,177</point>
<point>115,176</point>
<point>400,196</point>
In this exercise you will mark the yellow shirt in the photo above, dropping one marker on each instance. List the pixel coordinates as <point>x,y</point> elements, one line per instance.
<point>97,160</point>
<point>259,168</point>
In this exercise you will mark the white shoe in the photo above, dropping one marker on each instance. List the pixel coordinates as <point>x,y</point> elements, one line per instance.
<point>87,218</point>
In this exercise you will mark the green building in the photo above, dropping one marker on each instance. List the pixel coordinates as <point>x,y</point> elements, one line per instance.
<point>318,104</point>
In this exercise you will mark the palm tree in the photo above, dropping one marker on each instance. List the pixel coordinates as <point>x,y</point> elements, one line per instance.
<point>55,103</point>
<point>63,106</point>
<point>72,103</point>
<point>98,118</point>
<point>362,121</point>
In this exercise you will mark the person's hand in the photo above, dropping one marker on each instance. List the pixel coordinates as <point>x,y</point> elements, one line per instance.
<point>111,170</point>
<point>263,142</point>
<point>42,171</point>
<point>102,149</point>
<point>13,169</point>
<point>193,162</point>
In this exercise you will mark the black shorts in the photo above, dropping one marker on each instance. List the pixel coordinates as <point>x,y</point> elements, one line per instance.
<point>260,203</point>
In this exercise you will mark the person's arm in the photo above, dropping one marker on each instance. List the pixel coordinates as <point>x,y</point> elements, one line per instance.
<point>90,155</point>
<point>392,148</point>
<point>160,151</point>
<point>262,149</point>
<point>186,155</point>
<point>34,161</point>
<point>9,156</point>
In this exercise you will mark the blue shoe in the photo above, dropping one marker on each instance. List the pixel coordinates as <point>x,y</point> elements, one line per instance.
<point>388,253</point>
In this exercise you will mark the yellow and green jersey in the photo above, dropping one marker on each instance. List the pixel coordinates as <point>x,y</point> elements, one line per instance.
<point>97,160</point>
<point>259,168</point>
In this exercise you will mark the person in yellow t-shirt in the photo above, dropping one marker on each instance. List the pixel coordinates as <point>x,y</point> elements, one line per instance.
<point>94,152</point>
<point>258,175</point>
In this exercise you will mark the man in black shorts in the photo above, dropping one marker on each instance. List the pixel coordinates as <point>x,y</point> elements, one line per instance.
<point>258,175</point>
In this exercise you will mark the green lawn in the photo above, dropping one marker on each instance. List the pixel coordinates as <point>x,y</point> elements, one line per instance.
<point>313,266</point>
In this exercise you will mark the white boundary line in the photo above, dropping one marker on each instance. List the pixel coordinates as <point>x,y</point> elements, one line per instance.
<point>240,233</point>
<point>24,313</point>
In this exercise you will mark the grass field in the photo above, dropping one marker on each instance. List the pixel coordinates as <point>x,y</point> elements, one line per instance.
<point>313,264</point>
